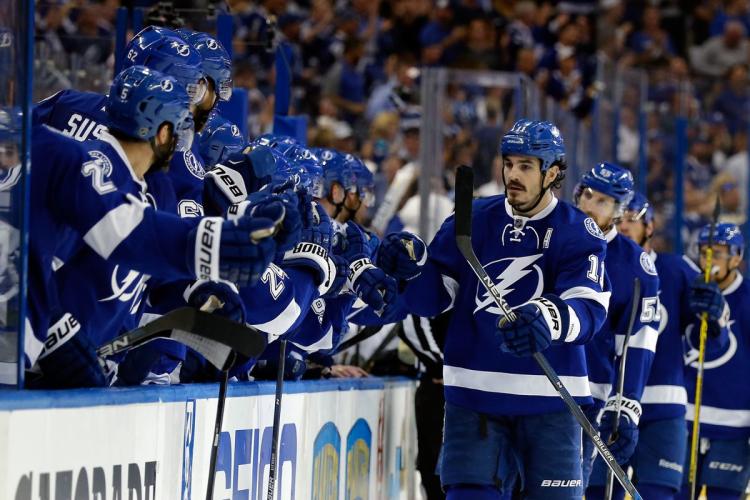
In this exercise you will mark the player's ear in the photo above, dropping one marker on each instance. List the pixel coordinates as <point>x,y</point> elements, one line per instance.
<point>735,261</point>
<point>164,134</point>
<point>552,173</point>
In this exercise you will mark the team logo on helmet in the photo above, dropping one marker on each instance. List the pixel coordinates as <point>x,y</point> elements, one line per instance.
<point>235,130</point>
<point>182,49</point>
<point>166,86</point>
<point>212,44</point>
<point>6,40</point>
<point>592,228</point>
<point>555,132</point>
<point>193,165</point>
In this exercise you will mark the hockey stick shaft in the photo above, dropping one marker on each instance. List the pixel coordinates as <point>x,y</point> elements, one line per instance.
<point>464,195</point>
<point>276,421</point>
<point>695,438</point>
<point>223,385</point>
<point>636,300</point>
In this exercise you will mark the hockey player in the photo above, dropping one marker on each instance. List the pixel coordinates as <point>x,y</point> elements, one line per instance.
<point>603,194</point>
<point>149,116</point>
<point>724,451</point>
<point>504,422</point>
<point>660,451</point>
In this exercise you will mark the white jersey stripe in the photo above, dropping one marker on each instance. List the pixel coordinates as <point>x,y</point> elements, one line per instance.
<point>645,338</point>
<point>600,391</point>
<point>664,394</point>
<point>584,292</point>
<point>281,323</point>
<point>511,383</point>
<point>720,416</point>
<point>115,227</point>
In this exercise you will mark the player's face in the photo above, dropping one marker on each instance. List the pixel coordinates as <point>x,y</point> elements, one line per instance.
<point>633,228</point>
<point>722,263</point>
<point>523,180</point>
<point>352,203</point>
<point>8,155</point>
<point>204,107</point>
<point>599,207</point>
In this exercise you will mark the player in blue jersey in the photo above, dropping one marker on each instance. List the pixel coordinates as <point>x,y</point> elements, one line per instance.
<point>218,140</point>
<point>100,181</point>
<point>603,193</point>
<point>724,452</point>
<point>657,461</point>
<point>505,425</point>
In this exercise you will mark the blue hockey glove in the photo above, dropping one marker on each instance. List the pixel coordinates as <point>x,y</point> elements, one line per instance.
<point>537,324</point>
<point>231,182</point>
<point>402,255</point>
<point>233,250</point>
<point>369,283</point>
<point>623,444</point>
<point>231,304</point>
<point>706,297</point>
<point>313,248</point>
<point>68,359</point>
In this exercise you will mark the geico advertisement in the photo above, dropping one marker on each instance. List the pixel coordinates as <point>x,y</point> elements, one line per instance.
<point>347,444</point>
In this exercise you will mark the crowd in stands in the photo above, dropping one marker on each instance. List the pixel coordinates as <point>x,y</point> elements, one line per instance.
<point>356,75</point>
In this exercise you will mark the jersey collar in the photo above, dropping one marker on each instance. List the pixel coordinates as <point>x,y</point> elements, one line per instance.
<point>541,215</point>
<point>734,285</point>
<point>109,139</point>
<point>611,234</point>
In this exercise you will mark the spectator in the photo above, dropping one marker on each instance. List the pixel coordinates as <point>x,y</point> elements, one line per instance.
<point>651,42</point>
<point>440,37</point>
<point>733,100</point>
<point>734,10</point>
<point>737,167</point>
<point>495,185</point>
<point>521,28</point>
<point>345,84</point>
<point>628,139</point>
<point>399,88</point>
<point>488,137</point>
<point>478,52</point>
<point>721,52</point>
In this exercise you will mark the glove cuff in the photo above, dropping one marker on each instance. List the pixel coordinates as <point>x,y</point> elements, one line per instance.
<point>60,332</point>
<point>356,269</point>
<point>207,243</point>
<point>555,313</point>
<point>630,407</point>
<point>306,253</point>
<point>237,210</point>
<point>230,183</point>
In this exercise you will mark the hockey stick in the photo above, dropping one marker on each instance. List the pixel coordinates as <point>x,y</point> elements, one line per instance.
<point>609,487</point>
<point>464,198</point>
<point>693,473</point>
<point>276,421</point>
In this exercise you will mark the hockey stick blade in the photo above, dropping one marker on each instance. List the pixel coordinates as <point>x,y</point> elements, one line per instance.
<point>186,320</point>
<point>464,185</point>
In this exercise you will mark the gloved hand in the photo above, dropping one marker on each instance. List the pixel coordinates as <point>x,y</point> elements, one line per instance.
<point>623,443</point>
<point>369,283</point>
<point>342,272</point>
<point>537,324</point>
<point>231,304</point>
<point>706,297</point>
<point>241,174</point>
<point>234,250</point>
<point>402,255</point>
<point>313,248</point>
<point>69,358</point>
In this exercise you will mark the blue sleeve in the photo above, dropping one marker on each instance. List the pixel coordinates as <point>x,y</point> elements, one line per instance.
<point>582,284</point>
<point>434,290</point>
<point>642,343</point>
<point>366,316</point>
<point>42,112</point>
<point>279,301</point>
<point>186,172</point>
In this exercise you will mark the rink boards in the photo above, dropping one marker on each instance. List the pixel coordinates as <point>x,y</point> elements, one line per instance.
<point>339,439</point>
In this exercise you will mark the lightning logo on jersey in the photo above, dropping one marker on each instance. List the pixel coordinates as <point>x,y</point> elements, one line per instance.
<point>128,289</point>
<point>517,279</point>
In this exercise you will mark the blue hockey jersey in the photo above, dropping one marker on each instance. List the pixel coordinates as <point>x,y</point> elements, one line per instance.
<point>625,261</point>
<point>665,395</point>
<point>558,251</point>
<point>725,407</point>
<point>73,196</point>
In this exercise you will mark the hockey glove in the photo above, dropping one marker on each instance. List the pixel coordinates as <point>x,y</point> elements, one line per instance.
<point>706,297</point>
<point>233,250</point>
<point>622,444</point>
<point>313,248</point>
<point>537,324</point>
<point>68,359</point>
<point>232,307</point>
<point>231,182</point>
<point>402,255</point>
<point>369,283</point>
<point>342,272</point>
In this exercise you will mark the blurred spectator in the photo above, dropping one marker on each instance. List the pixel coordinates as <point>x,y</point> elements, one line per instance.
<point>495,185</point>
<point>733,10</point>
<point>721,52</point>
<point>736,166</point>
<point>479,52</point>
<point>440,37</point>
<point>628,139</point>
<point>651,42</point>
<point>398,90</point>
<point>488,137</point>
<point>345,84</point>
<point>734,99</point>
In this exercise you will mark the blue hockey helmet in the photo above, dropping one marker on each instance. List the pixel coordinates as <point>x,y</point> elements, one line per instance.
<point>538,139</point>
<point>352,174</point>
<point>313,178</point>
<point>610,179</point>
<point>216,61</point>
<point>11,119</point>
<point>219,139</point>
<point>140,100</point>
<point>724,234</point>
<point>641,208</point>
<point>163,50</point>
